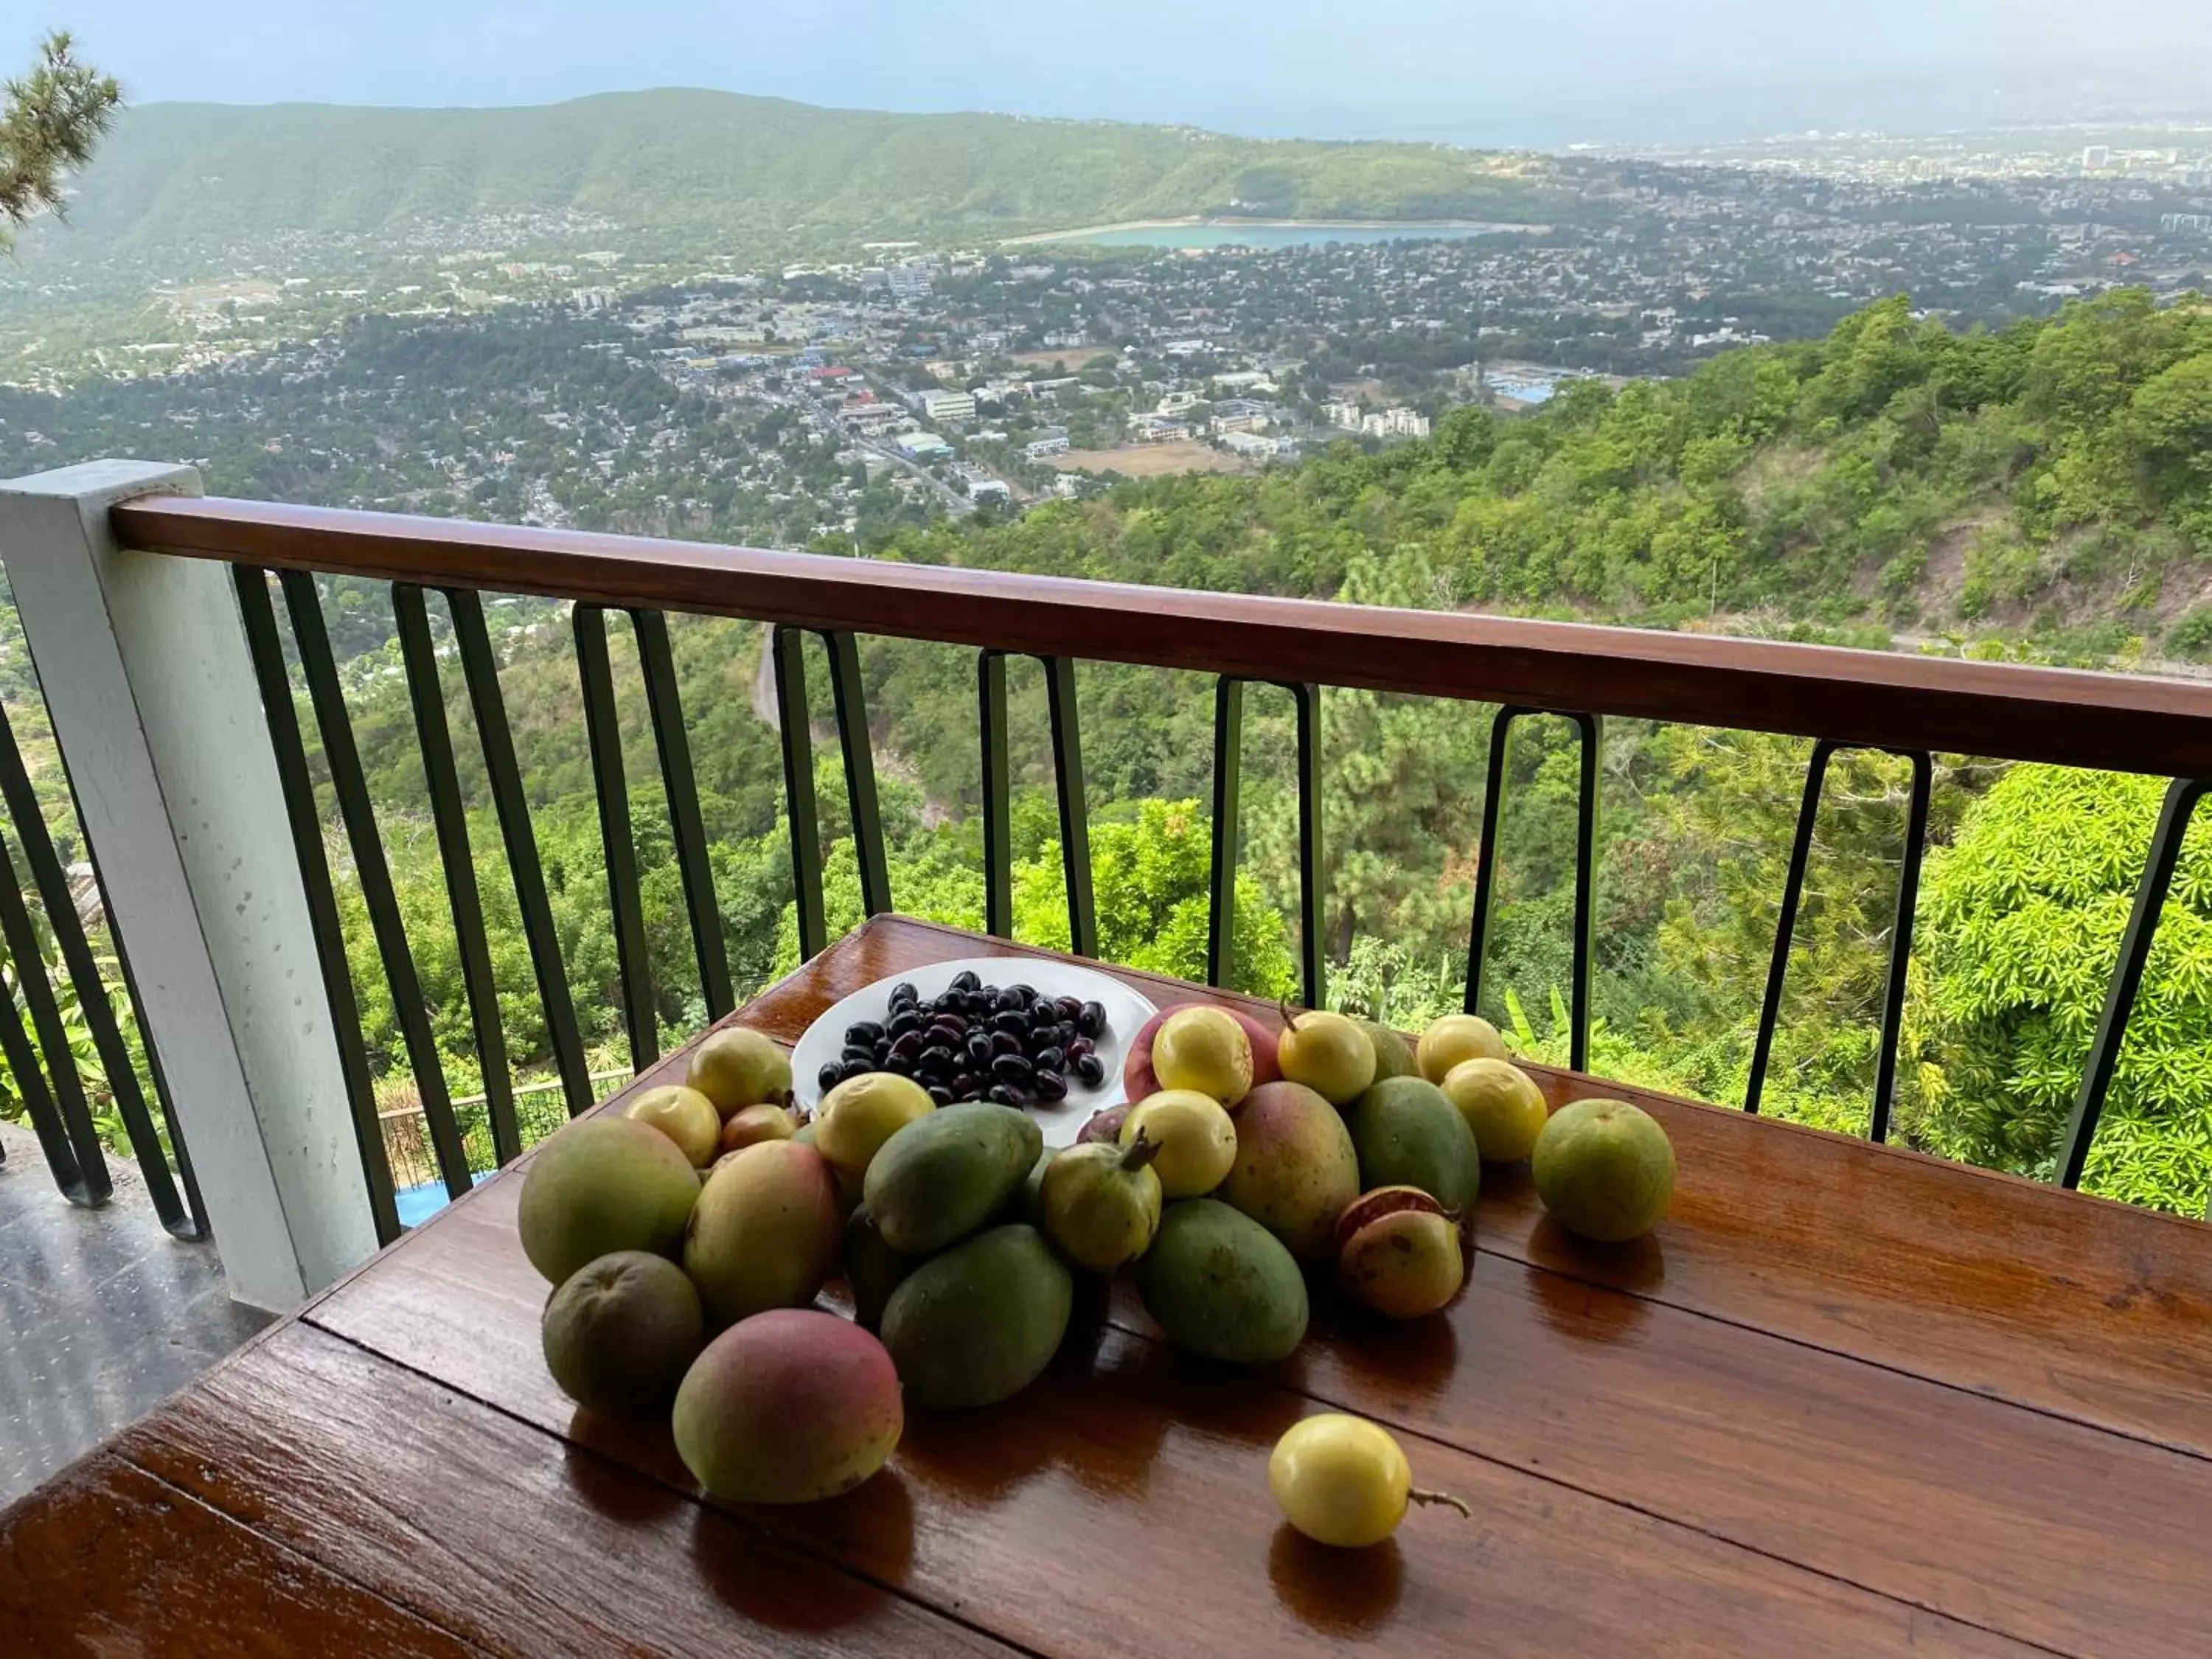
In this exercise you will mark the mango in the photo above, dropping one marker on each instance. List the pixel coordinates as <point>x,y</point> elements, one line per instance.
<point>621,1332</point>
<point>1399,1252</point>
<point>765,1233</point>
<point>873,1269</point>
<point>685,1116</point>
<point>948,1172</point>
<point>1408,1134</point>
<point>789,1407</point>
<point>1394,1055</point>
<point>749,1125</point>
<point>979,1323</point>
<point>1222,1285</point>
<point>1605,1169</point>
<point>1295,1168</point>
<point>604,1184</point>
<point>737,1066</point>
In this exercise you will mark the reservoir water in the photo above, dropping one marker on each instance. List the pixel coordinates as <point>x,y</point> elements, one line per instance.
<point>1268,236</point>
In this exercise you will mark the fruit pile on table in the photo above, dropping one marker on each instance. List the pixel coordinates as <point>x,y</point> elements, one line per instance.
<point>1250,1170</point>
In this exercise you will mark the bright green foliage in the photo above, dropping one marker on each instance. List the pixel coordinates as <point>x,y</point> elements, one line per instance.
<point>2050,479</point>
<point>2025,912</point>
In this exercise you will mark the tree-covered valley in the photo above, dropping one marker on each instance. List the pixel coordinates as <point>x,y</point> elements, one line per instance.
<point>2043,491</point>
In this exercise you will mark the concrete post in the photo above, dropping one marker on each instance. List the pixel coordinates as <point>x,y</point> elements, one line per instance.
<point>144,663</point>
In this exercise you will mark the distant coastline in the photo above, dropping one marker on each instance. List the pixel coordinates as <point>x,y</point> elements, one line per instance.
<point>1204,222</point>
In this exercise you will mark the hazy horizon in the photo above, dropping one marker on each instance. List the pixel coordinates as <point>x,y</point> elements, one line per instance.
<point>1610,71</point>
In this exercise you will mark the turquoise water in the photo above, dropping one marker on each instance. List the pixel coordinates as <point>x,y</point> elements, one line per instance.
<point>1273,236</point>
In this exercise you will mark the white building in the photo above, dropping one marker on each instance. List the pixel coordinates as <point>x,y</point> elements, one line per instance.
<point>1400,423</point>
<point>949,405</point>
<point>1347,415</point>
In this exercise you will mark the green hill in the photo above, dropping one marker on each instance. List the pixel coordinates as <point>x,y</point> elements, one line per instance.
<point>679,170</point>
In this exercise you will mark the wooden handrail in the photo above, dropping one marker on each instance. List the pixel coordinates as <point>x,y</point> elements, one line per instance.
<point>1890,700</point>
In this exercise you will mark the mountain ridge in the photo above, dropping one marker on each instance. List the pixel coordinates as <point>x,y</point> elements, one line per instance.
<point>683,169</point>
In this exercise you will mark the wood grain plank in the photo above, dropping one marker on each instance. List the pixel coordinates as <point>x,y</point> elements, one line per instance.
<point>526,1546</point>
<point>2044,1530</point>
<point>1070,1523</point>
<point>1890,699</point>
<point>2052,1300</point>
<point>107,1560</point>
<point>464,1313</point>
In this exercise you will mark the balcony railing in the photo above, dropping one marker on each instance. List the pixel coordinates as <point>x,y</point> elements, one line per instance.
<point>1910,707</point>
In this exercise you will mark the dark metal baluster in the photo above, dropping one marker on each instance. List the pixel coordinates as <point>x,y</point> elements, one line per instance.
<point>259,614</point>
<point>998,795</point>
<point>1074,809</point>
<point>850,699</point>
<point>1068,785</point>
<point>604,730</point>
<point>195,1225</point>
<point>2181,798</point>
<point>1591,731</point>
<point>1313,883</point>
<point>1228,789</point>
<point>480,669</point>
<point>426,692</point>
<point>1486,854</point>
<point>1586,805</point>
<point>197,1219</point>
<point>22,941</point>
<point>1785,927</point>
<point>1900,938</point>
<point>789,645</point>
<point>409,1005</point>
<point>55,1138</point>
<point>92,995</point>
<point>656,662</point>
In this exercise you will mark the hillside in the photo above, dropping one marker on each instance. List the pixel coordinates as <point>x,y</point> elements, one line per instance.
<point>697,172</point>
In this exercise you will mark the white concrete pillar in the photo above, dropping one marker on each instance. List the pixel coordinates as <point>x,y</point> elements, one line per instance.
<point>143,662</point>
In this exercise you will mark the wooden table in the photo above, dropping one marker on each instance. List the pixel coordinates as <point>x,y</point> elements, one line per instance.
<point>1846,1401</point>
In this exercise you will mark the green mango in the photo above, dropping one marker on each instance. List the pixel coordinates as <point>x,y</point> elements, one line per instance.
<point>873,1269</point>
<point>977,1324</point>
<point>1408,1134</point>
<point>948,1173</point>
<point>1222,1285</point>
<point>1394,1055</point>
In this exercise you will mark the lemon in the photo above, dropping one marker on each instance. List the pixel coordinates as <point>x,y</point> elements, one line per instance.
<point>1501,1103</point>
<point>1205,1050</point>
<point>860,1114</point>
<point>685,1116</point>
<point>1343,1481</point>
<point>1327,1053</point>
<point>1455,1038</point>
<point>1196,1139</point>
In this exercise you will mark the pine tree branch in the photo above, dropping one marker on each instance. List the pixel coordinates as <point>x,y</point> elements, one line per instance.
<point>50,120</point>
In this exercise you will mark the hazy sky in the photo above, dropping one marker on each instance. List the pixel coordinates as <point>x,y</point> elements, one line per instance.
<point>1320,67</point>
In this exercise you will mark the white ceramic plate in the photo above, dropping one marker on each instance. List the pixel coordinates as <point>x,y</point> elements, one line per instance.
<point>1126,1012</point>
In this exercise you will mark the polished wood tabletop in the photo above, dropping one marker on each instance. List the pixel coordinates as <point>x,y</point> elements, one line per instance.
<point>1846,1400</point>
